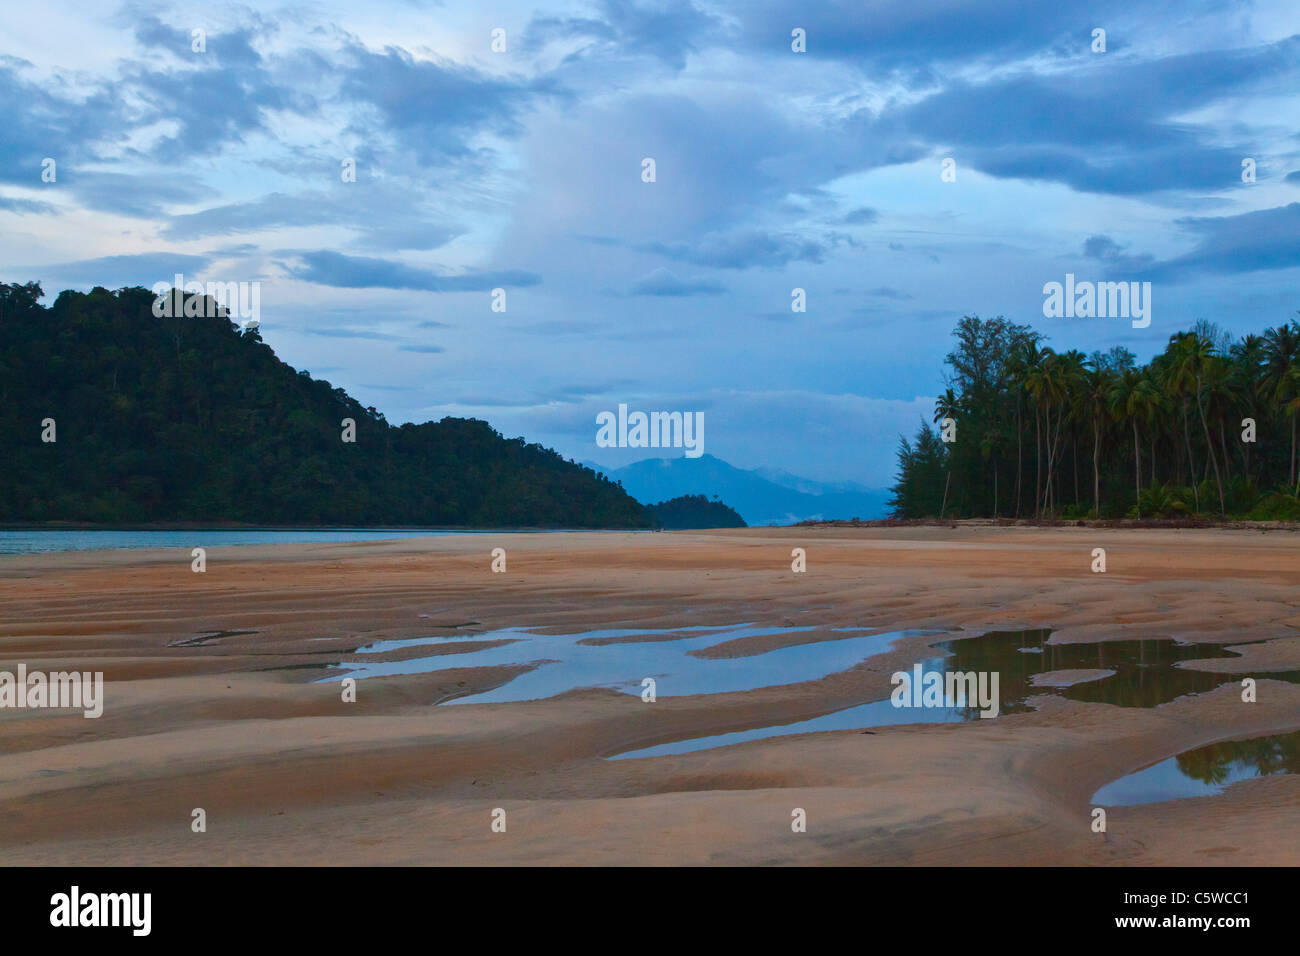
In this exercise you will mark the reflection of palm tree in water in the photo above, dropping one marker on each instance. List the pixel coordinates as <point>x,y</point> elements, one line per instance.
<point>1264,755</point>
<point>1144,672</point>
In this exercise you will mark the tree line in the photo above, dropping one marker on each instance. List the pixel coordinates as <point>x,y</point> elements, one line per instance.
<point>170,420</point>
<point>1207,427</point>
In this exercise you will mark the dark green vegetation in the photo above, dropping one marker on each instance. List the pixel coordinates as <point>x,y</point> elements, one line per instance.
<point>1047,434</point>
<point>693,511</point>
<point>192,420</point>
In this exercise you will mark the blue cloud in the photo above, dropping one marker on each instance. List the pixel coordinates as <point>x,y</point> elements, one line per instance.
<point>328,268</point>
<point>114,272</point>
<point>665,283</point>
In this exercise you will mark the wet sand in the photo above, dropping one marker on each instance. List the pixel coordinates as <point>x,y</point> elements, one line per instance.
<point>289,773</point>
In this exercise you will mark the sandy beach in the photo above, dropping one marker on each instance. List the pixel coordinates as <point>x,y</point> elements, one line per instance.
<point>199,715</point>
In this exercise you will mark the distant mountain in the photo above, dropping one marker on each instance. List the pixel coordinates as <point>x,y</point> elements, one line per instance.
<point>694,512</point>
<point>110,414</point>
<point>757,497</point>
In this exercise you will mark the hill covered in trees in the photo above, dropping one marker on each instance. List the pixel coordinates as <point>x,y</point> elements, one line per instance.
<point>190,419</point>
<point>693,512</point>
<point>1207,427</point>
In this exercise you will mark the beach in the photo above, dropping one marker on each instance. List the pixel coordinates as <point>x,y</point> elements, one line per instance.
<point>216,699</point>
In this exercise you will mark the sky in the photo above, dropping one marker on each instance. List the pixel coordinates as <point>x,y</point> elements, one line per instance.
<point>502,145</point>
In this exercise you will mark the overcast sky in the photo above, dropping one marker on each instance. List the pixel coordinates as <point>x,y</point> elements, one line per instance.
<point>774,170</point>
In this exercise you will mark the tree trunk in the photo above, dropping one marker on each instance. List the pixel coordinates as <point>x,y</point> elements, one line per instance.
<point>1038,463</point>
<point>1019,464</point>
<point>1191,462</point>
<point>1047,478</point>
<point>1209,447</point>
<point>1137,468</point>
<point>1074,466</point>
<point>1096,466</point>
<point>995,487</point>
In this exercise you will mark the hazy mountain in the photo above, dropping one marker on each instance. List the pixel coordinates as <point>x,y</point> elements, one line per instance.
<point>757,497</point>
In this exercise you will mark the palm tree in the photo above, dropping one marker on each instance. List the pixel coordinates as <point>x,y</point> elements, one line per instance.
<point>1247,362</point>
<point>1050,384</point>
<point>1192,355</point>
<point>947,406</point>
<point>989,450</point>
<point>1136,396</point>
<point>1281,358</point>
<point>1025,355</point>
<point>1093,397</point>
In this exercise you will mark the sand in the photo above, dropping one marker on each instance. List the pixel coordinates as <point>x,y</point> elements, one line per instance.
<point>287,772</point>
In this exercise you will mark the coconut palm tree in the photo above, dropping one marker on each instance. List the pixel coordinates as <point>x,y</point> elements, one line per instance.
<point>1247,364</point>
<point>1136,396</point>
<point>1025,355</point>
<point>1093,404</point>
<point>947,406</point>
<point>1192,354</point>
<point>1281,358</point>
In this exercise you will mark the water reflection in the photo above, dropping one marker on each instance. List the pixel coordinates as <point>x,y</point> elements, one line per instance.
<point>1204,771</point>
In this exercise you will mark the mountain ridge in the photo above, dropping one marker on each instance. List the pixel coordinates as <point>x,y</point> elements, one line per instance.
<point>755,497</point>
<point>177,419</point>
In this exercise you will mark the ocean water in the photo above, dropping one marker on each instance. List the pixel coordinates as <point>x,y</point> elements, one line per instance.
<point>40,542</point>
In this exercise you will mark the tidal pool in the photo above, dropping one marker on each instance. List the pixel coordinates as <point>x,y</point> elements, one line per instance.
<point>1204,771</point>
<point>1141,673</point>
<point>620,659</point>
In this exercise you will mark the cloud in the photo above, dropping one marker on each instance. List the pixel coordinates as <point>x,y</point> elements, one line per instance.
<point>1265,239</point>
<point>435,107</point>
<point>20,206</point>
<point>746,248</point>
<point>115,272</point>
<point>665,283</point>
<point>49,118</point>
<point>348,334</point>
<point>387,216</point>
<point>1107,250</point>
<point>667,30</point>
<point>862,216</point>
<point>144,195</point>
<point>915,38</point>
<point>1106,128</point>
<point>328,268</point>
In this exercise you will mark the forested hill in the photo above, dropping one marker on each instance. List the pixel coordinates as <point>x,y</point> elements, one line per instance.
<point>694,512</point>
<point>160,420</point>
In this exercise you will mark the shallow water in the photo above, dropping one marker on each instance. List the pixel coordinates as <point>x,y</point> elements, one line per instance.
<point>1141,673</point>
<point>1204,771</point>
<point>1144,674</point>
<point>46,541</point>
<point>878,713</point>
<point>41,542</point>
<point>567,662</point>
